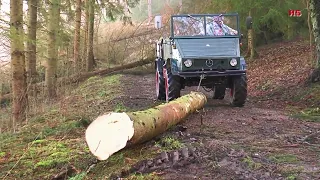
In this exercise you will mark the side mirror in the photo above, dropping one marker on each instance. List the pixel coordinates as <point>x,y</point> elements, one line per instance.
<point>157,22</point>
<point>249,22</point>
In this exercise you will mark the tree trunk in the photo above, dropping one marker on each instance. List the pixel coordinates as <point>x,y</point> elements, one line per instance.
<point>315,19</point>
<point>149,11</point>
<point>90,56</point>
<point>114,131</point>
<point>76,47</point>
<point>252,53</point>
<point>86,28</point>
<point>31,57</point>
<point>53,27</point>
<point>19,83</point>
<point>180,6</point>
<point>311,39</point>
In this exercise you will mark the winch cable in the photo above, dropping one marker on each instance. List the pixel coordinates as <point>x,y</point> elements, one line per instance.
<point>201,77</point>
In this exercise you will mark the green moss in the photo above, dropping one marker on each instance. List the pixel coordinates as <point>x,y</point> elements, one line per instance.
<point>52,154</point>
<point>143,177</point>
<point>49,163</point>
<point>79,176</point>
<point>120,108</point>
<point>284,158</point>
<point>251,163</point>
<point>310,114</point>
<point>169,143</point>
<point>290,172</point>
<point>39,141</point>
<point>291,177</point>
<point>2,154</point>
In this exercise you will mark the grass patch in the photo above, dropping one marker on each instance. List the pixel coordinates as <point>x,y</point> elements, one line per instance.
<point>284,158</point>
<point>310,114</point>
<point>151,176</point>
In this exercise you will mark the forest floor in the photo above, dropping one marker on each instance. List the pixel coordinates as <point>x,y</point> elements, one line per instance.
<point>276,135</point>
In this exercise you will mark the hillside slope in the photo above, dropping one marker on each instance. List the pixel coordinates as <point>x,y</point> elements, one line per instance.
<point>260,140</point>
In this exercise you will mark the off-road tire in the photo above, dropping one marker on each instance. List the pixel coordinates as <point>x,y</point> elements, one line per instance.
<point>219,91</point>
<point>172,84</point>
<point>239,91</point>
<point>160,86</point>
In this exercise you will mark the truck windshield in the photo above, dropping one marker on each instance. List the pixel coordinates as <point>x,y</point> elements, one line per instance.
<point>205,25</point>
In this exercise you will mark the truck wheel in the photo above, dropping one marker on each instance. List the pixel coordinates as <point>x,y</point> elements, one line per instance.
<point>172,84</point>
<point>219,91</point>
<point>239,90</point>
<point>160,86</point>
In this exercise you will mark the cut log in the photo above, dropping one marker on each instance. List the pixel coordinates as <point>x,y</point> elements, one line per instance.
<point>83,76</point>
<point>114,131</point>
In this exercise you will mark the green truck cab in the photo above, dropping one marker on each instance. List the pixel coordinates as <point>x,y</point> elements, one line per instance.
<point>202,50</point>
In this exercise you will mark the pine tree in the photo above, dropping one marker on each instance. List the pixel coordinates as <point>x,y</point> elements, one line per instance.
<point>31,54</point>
<point>19,83</point>
<point>53,27</point>
<point>90,56</point>
<point>76,47</point>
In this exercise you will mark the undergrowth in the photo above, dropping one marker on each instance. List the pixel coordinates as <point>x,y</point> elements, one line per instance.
<point>54,139</point>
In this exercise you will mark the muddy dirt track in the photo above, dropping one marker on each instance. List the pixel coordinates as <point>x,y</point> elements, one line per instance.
<point>252,142</point>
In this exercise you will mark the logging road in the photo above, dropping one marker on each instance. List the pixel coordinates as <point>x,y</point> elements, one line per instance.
<point>257,141</point>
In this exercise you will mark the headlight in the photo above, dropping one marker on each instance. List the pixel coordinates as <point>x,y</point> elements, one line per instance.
<point>188,63</point>
<point>233,62</point>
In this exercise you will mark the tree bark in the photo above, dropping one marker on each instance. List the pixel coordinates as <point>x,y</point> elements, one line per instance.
<point>86,28</point>
<point>252,53</point>
<point>19,82</point>
<point>76,47</point>
<point>311,39</point>
<point>83,76</point>
<point>31,54</point>
<point>315,19</point>
<point>180,6</point>
<point>114,131</point>
<point>149,11</point>
<point>90,56</point>
<point>53,27</point>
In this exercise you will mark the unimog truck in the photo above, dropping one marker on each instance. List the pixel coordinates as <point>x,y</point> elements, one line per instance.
<point>202,50</point>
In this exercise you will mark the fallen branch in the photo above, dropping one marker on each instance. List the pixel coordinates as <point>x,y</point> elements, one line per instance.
<point>83,76</point>
<point>114,131</point>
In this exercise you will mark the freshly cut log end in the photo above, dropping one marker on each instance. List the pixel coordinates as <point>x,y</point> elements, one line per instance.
<point>108,134</point>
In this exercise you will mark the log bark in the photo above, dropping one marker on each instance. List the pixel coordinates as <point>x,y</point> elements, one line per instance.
<point>112,132</point>
<point>83,76</point>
